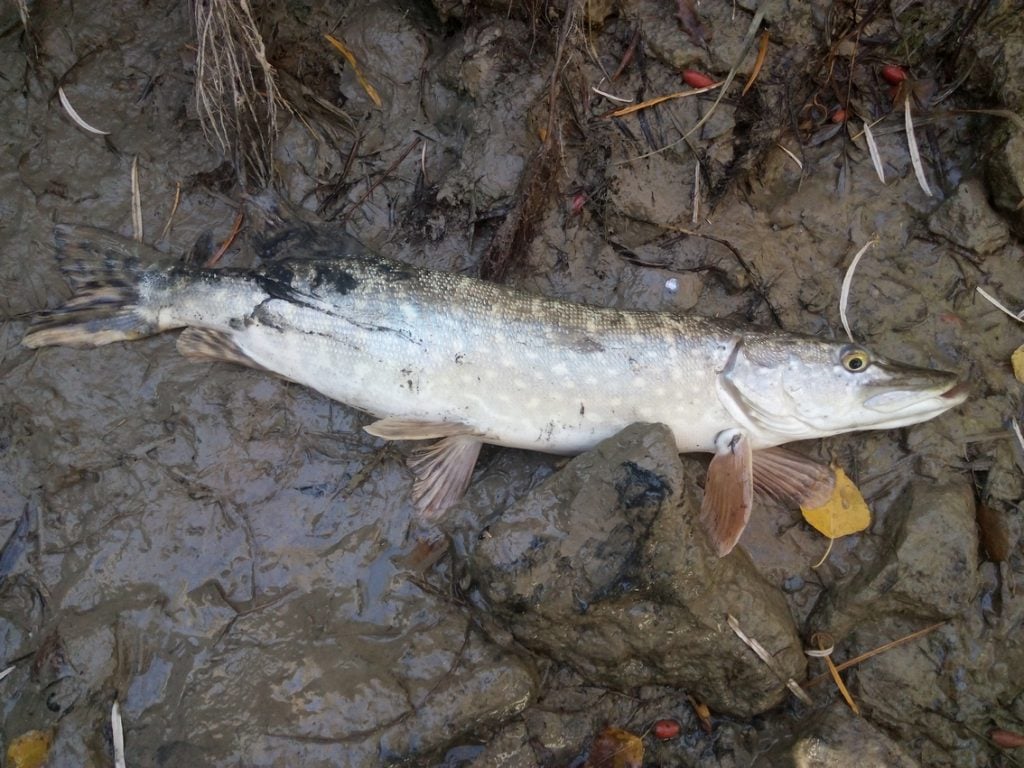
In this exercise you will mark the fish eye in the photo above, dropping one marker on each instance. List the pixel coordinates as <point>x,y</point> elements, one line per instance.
<point>855,360</point>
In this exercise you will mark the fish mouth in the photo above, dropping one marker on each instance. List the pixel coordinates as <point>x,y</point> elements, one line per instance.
<point>920,395</point>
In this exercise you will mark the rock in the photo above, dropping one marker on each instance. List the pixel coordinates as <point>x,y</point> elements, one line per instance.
<point>929,570</point>
<point>605,567</point>
<point>837,738</point>
<point>967,220</point>
<point>1004,175</point>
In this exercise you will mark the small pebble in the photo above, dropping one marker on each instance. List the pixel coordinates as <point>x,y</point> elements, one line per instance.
<point>672,285</point>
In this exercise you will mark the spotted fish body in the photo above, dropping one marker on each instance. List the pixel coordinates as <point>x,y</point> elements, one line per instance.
<point>439,355</point>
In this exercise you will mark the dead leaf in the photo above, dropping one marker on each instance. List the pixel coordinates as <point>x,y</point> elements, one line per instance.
<point>615,748</point>
<point>845,513</point>
<point>29,750</point>
<point>1017,361</point>
<point>993,532</point>
<point>356,70</point>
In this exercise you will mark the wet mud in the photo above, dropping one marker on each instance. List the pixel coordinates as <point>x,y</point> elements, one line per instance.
<point>234,561</point>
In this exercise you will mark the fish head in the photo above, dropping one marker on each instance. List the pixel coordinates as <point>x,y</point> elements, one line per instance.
<point>789,387</point>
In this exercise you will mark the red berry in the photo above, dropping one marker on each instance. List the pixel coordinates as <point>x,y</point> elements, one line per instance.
<point>839,116</point>
<point>893,74</point>
<point>664,730</point>
<point>696,79</point>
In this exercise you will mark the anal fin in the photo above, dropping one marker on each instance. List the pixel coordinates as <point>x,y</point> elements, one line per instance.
<point>789,476</point>
<point>207,344</point>
<point>729,491</point>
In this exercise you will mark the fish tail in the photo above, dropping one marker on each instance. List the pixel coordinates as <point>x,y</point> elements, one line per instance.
<point>106,272</point>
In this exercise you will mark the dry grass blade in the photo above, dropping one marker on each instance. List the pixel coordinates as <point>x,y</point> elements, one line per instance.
<point>766,657</point>
<point>876,158</point>
<point>844,293</point>
<point>880,649</point>
<point>236,88</point>
<point>762,54</point>
<point>23,13</point>
<point>356,69</point>
<point>75,116</point>
<point>755,24</point>
<point>794,158</point>
<point>1018,316</point>
<point>915,153</point>
<point>1013,423</point>
<point>695,216</point>
<point>659,99</point>
<point>174,210</point>
<point>1013,117</point>
<point>117,733</point>
<point>6,672</point>
<point>136,201</point>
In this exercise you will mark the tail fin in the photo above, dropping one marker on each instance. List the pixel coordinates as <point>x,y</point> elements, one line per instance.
<point>105,271</point>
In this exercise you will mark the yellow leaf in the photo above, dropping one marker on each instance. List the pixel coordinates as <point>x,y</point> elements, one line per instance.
<point>845,513</point>
<point>29,750</point>
<point>1017,360</point>
<point>351,58</point>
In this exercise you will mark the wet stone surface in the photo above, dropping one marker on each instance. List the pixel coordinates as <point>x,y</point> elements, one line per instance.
<point>228,555</point>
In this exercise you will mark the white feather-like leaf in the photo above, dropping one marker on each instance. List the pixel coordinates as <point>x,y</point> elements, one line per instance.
<point>75,116</point>
<point>844,292</point>
<point>876,158</point>
<point>915,153</point>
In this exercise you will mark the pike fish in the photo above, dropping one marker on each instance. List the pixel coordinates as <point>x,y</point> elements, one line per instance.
<point>461,362</point>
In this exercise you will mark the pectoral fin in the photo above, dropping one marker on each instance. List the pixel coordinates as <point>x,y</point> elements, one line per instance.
<point>729,491</point>
<point>788,476</point>
<point>442,469</point>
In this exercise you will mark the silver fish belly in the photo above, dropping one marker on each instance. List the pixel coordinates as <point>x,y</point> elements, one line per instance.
<point>439,355</point>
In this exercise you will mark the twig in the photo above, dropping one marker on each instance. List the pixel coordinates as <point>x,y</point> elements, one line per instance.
<point>212,261</point>
<point>136,201</point>
<point>880,649</point>
<point>174,210</point>
<point>762,53</point>
<point>659,99</point>
<point>379,181</point>
<point>762,654</point>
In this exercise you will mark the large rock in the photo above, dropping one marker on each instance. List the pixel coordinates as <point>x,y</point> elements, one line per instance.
<point>605,567</point>
<point>967,220</point>
<point>837,738</point>
<point>929,571</point>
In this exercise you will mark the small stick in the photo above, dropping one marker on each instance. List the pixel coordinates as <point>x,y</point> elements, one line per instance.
<point>136,201</point>
<point>174,210</point>
<point>762,53</point>
<point>380,181</point>
<point>659,99</point>
<point>212,261</point>
<point>763,654</point>
<point>880,649</point>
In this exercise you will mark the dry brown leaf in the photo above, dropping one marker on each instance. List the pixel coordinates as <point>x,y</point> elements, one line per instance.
<point>845,513</point>
<point>615,748</point>
<point>356,69</point>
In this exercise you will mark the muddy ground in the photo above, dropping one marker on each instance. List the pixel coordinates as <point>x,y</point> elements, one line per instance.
<point>224,553</point>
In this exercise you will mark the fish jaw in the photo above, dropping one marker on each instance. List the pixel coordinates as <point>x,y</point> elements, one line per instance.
<point>782,389</point>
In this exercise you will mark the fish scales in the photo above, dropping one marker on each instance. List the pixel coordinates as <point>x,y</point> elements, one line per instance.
<point>525,371</point>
